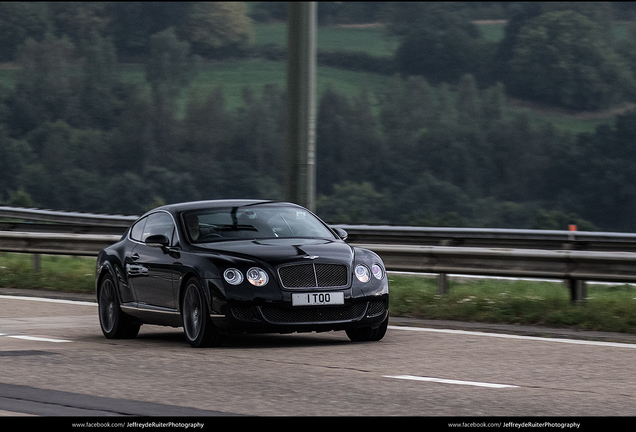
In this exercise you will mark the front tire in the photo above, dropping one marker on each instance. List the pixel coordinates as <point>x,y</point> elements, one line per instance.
<point>368,334</point>
<point>197,325</point>
<point>114,323</point>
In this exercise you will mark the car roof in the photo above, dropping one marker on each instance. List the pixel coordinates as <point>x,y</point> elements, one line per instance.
<point>197,205</point>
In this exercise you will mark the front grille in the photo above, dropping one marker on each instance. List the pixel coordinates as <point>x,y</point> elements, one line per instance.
<point>314,275</point>
<point>306,315</point>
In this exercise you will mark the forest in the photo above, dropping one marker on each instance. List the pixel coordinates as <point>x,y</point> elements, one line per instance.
<point>434,145</point>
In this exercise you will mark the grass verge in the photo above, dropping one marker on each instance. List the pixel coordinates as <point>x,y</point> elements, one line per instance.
<point>57,273</point>
<point>608,307</point>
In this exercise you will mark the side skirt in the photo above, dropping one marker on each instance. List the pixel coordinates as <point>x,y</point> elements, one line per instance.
<point>148,314</point>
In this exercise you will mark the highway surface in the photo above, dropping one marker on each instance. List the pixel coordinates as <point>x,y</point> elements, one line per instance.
<point>54,361</point>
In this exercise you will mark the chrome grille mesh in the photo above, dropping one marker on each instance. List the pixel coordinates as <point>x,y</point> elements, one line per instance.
<point>314,275</point>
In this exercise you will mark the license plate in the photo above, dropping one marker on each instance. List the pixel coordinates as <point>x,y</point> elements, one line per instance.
<point>318,299</point>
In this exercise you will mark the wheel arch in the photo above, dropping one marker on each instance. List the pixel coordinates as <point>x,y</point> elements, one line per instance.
<point>184,282</point>
<point>106,268</point>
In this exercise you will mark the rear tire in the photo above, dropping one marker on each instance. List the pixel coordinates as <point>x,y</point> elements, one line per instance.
<point>197,325</point>
<point>114,323</point>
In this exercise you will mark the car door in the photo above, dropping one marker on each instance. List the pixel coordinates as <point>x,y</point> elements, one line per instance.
<point>152,269</point>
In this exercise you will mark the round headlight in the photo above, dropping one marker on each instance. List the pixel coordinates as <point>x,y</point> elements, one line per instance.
<point>377,271</point>
<point>257,276</point>
<point>362,273</point>
<point>233,276</point>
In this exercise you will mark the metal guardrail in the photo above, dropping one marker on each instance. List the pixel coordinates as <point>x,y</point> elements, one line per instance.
<point>86,223</point>
<point>55,243</point>
<point>67,218</point>
<point>572,256</point>
<point>489,237</point>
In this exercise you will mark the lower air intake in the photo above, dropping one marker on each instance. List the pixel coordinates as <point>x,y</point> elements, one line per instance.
<point>305,315</point>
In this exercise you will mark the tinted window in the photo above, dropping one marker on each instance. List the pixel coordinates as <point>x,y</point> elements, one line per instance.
<point>158,223</point>
<point>138,229</point>
<point>251,222</point>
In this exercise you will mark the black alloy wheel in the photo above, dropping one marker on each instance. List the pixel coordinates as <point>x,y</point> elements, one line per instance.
<point>197,325</point>
<point>114,323</point>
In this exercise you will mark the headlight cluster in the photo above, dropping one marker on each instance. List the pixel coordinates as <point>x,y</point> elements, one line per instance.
<point>364,274</point>
<point>256,276</point>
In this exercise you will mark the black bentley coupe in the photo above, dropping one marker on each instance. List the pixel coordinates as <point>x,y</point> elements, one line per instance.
<point>234,266</point>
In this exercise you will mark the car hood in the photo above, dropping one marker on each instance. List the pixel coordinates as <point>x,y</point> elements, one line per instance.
<point>284,250</point>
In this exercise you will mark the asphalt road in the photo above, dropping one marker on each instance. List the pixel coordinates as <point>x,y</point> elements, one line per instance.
<point>54,361</point>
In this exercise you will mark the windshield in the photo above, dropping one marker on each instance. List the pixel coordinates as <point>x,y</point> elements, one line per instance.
<point>252,222</point>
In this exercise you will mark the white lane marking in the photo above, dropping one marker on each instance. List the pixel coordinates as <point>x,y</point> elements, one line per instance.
<point>38,339</point>
<point>510,336</point>
<point>42,339</point>
<point>464,332</point>
<point>34,338</point>
<point>450,381</point>
<point>77,302</point>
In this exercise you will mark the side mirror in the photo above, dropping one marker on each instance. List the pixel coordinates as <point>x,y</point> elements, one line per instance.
<point>157,240</point>
<point>341,233</point>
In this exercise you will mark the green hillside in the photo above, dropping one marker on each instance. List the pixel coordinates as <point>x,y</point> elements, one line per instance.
<point>236,74</point>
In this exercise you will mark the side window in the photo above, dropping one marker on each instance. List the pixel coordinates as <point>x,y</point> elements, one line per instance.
<point>138,229</point>
<point>159,223</point>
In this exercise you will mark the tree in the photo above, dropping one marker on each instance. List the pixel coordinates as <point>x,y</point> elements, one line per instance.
<point>101,101</point>
<point>560,58</point>
<point>366,141</point>
<point>217,28</point>
<point>19,198</point>
<point>79,20</point>
<point>520,13</point>
<point>440,41</point>
<point>132,23</point>
<point>128,193</point>
<point>208,126</point>
<point>259,134</point>
<point>20,21</point>
<point>352,203</point>
<point>602,182</point>
<point>468,104</point>
<point>133,137</point>
<point>45,90</point>
<point>493,104</point>
<point>407,113</point>
<point>169,69</point>
<point>431,201</point>
<point>331,124</point>
<point>14,155</point>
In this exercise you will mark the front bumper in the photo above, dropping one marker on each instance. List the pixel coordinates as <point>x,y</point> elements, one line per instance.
<point>277,315</point>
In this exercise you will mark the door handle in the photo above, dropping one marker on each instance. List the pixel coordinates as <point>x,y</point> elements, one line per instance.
<point>135,256</point>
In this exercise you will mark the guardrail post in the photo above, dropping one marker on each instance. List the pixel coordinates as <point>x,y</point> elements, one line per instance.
<point>36,259</point>
<point>442,284</point>
<point>578,290</point>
